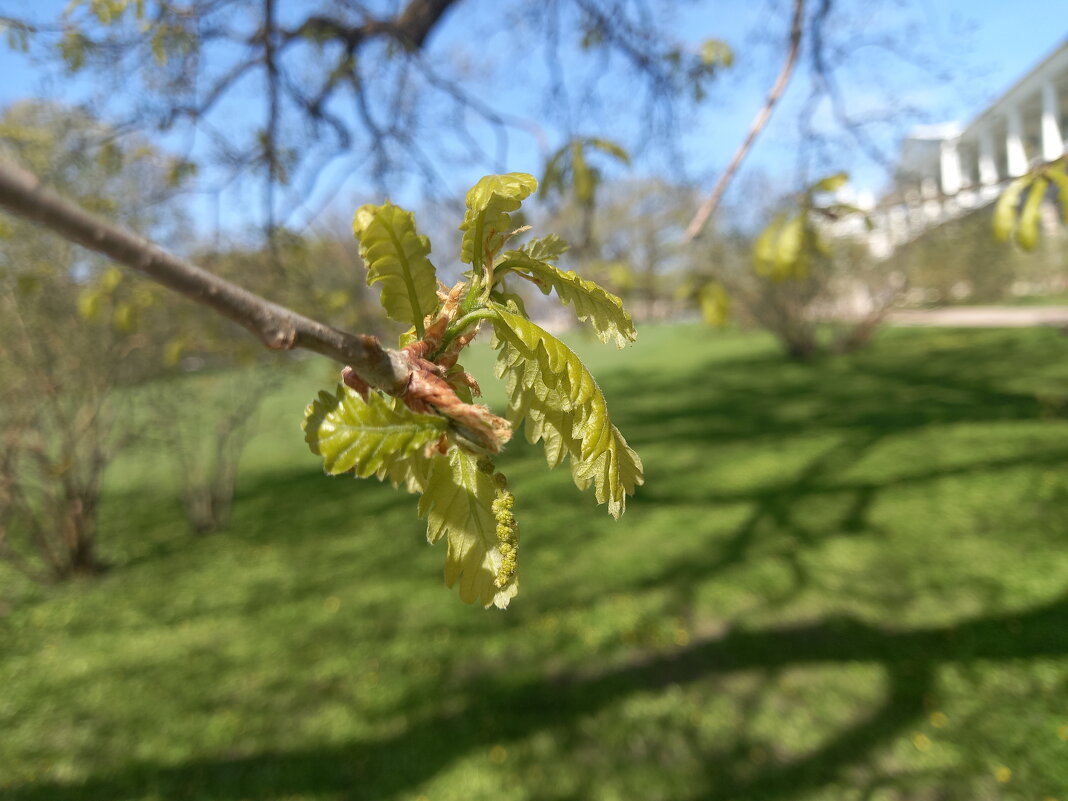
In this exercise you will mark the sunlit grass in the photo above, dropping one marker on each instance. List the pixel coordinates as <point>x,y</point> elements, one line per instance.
<point>842,580</point>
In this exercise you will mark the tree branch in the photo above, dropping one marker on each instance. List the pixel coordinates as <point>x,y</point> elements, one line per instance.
<point>410,28</point>
<point>276,327</point>
<point>419,17</point>
<point>761,120</point>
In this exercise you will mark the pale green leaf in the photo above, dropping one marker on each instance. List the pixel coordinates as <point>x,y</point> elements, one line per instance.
<point>583,179</point>
<point>546,248</point>
<point>1005,210</point>
<point>593,304</point>
<point>789,244</point>
<point>544,413</point>
<point>551,380</point>
<point>1060,179</point>
<point>410,471</point>
<point>488,223</point>
<point>367,437</point>
<point>611,466</point>
<point>715,303</point>
<point>831,183</point>
<point>764,247</point>
<point>609,147</point>
<point>396,256</point>
<point>1027,231</point>
<point>457,503</point>
<point>715,52</point>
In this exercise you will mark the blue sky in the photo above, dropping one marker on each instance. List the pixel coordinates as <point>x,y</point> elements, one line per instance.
<point>985,45</point>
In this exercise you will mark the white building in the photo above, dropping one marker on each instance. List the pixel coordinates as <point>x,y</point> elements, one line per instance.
<point>947,170</point>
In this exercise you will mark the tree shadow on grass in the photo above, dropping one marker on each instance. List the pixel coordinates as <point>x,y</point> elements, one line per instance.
<point>497,711</point>
<point>724,403</point>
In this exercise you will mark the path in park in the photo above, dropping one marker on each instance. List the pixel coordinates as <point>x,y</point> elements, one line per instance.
<point>982,316</point>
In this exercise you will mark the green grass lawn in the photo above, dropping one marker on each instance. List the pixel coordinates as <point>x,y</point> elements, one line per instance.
<point>845,580</point>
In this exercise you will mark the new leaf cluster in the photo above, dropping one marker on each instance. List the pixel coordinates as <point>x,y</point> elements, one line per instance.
<point>432,439</point>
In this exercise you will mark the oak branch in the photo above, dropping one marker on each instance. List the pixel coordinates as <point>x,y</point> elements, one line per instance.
<point>277,327</point>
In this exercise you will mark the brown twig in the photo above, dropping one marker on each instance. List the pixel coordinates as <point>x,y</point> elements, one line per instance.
<point>276,327</point>
<point>761,120</point>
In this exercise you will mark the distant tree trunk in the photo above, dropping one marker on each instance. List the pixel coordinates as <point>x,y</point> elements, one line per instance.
<point>79,533</point>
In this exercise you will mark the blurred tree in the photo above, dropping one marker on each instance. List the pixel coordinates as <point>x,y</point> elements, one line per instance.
<point>802,275</point>
<point>570,176</point>
<point>638,252</point>
<point>204,420</point>
<point>281,90</point>
<point>65,349</point>
<point>642,221</point>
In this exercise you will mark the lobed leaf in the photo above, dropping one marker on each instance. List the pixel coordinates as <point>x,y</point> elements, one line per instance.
<point>546,413</point>
<point>372,437</point>
<point>457,503</point>
<point>551,388</point>
<point>488,223</point>
<point>546,248</point>
<point>396,256</point>
<point>593,304</point>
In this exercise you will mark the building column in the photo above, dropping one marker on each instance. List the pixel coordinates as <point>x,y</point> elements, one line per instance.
<point>988,163</point>
<point>1052,140</point>
<point>1014,146</point>
<point>950,167</point>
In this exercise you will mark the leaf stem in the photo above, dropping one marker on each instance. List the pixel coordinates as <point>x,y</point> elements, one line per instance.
<point>459,326</point>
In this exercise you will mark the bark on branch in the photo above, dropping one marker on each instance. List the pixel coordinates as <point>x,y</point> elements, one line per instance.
<point>410,28</point>
<point>761,120</point>
<point>276,327</point>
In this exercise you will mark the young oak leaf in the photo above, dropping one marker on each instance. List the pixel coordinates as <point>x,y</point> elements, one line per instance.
<point>372,437</point>
<point>409,470</point>
<point>611,466</point>
<point>457,503</point>
<point>547,413</point>
<point>396,256</point>
<point>488,223</point>
<point>600,455</point>
<point>546,248</point>
<point>593,304</point>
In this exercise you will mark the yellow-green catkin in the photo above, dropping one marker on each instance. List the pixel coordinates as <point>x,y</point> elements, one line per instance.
<point>507,531</point>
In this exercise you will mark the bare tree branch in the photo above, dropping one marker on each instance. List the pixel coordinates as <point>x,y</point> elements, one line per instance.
<point>276,327</point>
<point>824,81</point>
<point>759,122</point>
<point>417,20</point>
<point>410,28</point>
